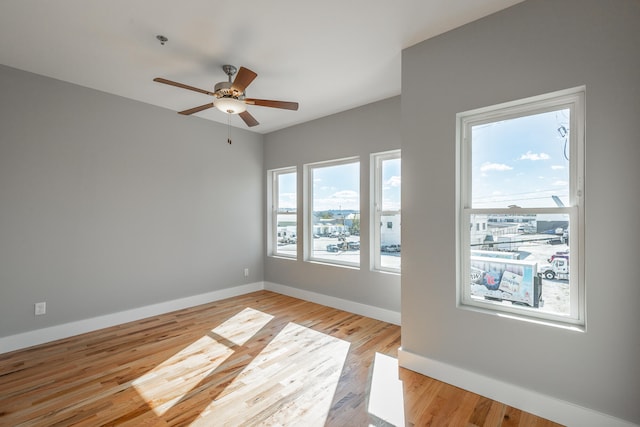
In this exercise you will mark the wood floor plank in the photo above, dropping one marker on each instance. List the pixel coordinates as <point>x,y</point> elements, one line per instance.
<point>256,359</point>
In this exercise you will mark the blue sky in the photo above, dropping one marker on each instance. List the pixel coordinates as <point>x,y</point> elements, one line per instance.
<point>338,187</point>
<point>521,161</point>
<point>391,184</point>
<point>287,191</point>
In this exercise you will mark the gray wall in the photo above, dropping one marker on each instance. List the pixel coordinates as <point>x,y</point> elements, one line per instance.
<point>358,132</point>
<point>107,204</point>
<point>532,48</point>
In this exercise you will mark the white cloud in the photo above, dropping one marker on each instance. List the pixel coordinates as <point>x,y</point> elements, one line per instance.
<point>534,156</point>
<point>394,181</point>
<point>561,183</point>
<point>391,205</point>
<point>345,199</point>
<point>346,194</point>
<point>287,201</point>
<point>495,167</point>
<point>557,167</point>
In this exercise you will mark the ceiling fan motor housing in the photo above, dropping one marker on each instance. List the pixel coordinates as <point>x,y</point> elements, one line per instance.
<point>223,89</point>
<point>227,99</point>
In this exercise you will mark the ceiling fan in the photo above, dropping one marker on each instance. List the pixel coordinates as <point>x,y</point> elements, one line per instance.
<point>230,96</point>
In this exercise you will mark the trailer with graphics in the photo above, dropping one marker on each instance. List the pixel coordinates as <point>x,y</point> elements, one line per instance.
<point>502,279</point>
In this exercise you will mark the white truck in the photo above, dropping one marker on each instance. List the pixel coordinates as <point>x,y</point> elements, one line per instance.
<point>558,268</point>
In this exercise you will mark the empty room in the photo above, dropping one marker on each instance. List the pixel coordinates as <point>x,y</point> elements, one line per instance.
<point>413,213</point>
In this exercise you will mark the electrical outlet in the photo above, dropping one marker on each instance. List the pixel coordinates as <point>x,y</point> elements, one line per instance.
<point>40,308</point>
<point>246,272</point>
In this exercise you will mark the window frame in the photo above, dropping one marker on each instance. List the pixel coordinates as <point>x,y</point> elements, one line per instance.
<point>376,162</point>
<point>274,198</point>
<point>308,209</point>
<point>574,99</point>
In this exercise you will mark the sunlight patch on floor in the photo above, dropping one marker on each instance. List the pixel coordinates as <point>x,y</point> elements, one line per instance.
<point>386,399</point>
<point>167,383</point>
<point>291,381</point>
<point>240,328</point>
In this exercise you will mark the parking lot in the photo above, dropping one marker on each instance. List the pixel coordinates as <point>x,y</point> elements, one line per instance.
<point>538,249</point>
<point>337,254</point>
<point>555,293</point>
<point>535,248</point>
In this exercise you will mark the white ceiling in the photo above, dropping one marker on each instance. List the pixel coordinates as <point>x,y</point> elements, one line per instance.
<point>329,55</point>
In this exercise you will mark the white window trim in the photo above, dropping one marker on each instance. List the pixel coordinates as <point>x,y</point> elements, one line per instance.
<point>570,98</point>
<point>376,210</point>
<point>308,210</point>
<point>273,191</point>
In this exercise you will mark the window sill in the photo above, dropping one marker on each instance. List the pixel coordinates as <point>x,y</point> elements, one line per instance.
<point>285,257</point>
<point>524,318</point>
<point>333,264</point>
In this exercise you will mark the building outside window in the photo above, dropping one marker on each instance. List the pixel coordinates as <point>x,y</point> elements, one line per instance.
<point>386,186</point>
<point>283,213</point>
<point>521,215</point>
<point>332,215</point>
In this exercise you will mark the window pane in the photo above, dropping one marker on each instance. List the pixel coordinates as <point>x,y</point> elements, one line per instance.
<point>522,161</point>
<point>287,214</point>
<point>521,259</point>
<point>390,215</point>
<point>521,207</point>
<point>391,180</point>
<point>336,213</point>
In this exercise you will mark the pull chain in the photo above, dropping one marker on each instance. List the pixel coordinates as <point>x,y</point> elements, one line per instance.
<point>229,128</point>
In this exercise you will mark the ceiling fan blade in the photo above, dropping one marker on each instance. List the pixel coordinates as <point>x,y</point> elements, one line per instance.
<point>248,119</point>
<point>274,104</point>
<point>243,79</point>
<point>183,86</point>
<point>196,109</point>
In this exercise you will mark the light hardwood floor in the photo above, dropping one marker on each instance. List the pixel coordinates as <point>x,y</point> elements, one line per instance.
<point>256,359</point>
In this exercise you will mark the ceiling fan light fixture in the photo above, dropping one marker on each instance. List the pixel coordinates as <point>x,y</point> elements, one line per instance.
<point>229,97</point>
<point>229,105</point>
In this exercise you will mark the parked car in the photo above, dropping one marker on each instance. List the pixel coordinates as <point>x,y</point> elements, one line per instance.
<point>332,248</point>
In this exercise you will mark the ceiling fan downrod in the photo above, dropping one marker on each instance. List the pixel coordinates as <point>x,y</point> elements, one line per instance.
<point>229,70</point>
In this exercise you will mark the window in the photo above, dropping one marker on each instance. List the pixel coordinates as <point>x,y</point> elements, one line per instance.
<point>283,221</point>
<point>520,186</point>
<point>386,184</point>
<point>333,212</point>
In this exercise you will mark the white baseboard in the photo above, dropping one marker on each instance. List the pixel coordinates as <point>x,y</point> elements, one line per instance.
<point>52,333</point>
<point>538,404</point>
<point>66,330</point>
<point>339,303</point>
<point>554,409</point>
